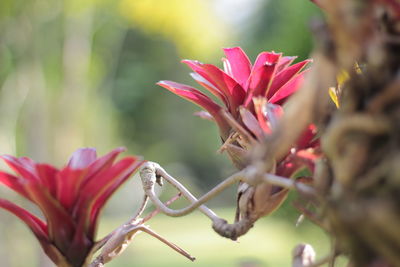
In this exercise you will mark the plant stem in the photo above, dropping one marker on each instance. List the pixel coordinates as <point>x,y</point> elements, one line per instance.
<point>150,171</point>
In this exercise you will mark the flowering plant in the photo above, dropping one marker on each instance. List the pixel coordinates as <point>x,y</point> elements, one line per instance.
<point>272,77</point>
<point>252,97</point>
<point>70,199</point>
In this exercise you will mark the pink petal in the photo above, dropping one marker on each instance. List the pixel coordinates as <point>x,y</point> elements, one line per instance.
<point>75,180</point>
<point>82,158</point>
<point>22,166</point>
<point>294,163</point>
<point>239,63</point>
<point>60,224</point>
<point>227,67</point>
<point>14,183</point>
<point>285,76</point>
<point>209,86</point>
<point>198,68</point>
<point>103,198</point>
<point>105,178</point>
<point>273,113</point>
<point>259,104</point>
<point>268,115</point>
<point>47,175</point>
<point>103,162</point>
<point>80,247</point>
<point>197,97</point>
<point>95,188</point>
<point>36,225</point>
<point>307,139</point>
<point>288,89</point>
<point>39,229</point>
<point>191,94</point>
<point>232,90</point>
<point>308,154</point>
<point>251,122</point>
<point>268,58</point>
<point>284,62</point>
<point>259,82</point>
<point>69,182</point>
<point>261,76</point>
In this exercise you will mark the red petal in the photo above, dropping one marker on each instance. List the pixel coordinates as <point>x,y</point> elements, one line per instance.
<point>268,58</point>
<point>59,222</point>
<point>80,247</point>
<point>69,182</point>
<point>209,86</point>
<point>103,162</point>
<point>273,113</point>
<point>259,82</point>
<point>13,182</point>
<point>259,104</point>
<point>307,139</point>
<point>262,77</point>
<point>239,63</point>
<point>98,186</point>
<point>308,154</point>
<point>198,68</point>
<point>82,158</point>
<point>227,67</point>
<point>285,76</point>
<point>103,198</point>
<point>48,176</point>
<point>288,89</point>
<point>191,94</point>
<point>104,179</point>
<point>268,115</point>
<point>232,90</point>
<point>293,163</point>
<point>197,97</point>
<point>37,226</point>
<point>284,62</point>
<point>251,123</point>
<point>23,166</point>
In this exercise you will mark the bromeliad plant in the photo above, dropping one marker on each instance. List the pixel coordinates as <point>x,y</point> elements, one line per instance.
<point>251,99</point>
<point>271,80</point>
<point>252,96</point>
<point>70,199</point>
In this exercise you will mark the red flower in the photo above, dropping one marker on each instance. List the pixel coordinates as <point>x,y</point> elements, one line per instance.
<point>70,199</point>
<point>252,96</point>
<point>272,76</point>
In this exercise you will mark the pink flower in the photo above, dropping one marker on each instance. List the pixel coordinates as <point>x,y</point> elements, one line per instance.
<point>70,199</point>
<point>250,99</point>
<point>272,76</point>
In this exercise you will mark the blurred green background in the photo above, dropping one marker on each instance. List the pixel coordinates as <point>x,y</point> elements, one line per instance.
<point>82,73</point>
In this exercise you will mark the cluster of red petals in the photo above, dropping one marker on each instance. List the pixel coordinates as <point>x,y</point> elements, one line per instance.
<point>253,95</point>
<point>70,198</point>
<point>272,77</point>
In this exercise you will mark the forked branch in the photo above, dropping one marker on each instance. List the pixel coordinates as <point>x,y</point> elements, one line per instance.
<point>151,173</point>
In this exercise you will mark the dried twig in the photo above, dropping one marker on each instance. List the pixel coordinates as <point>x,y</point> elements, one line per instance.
<point>151,172</point>
<point>117,241</point>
